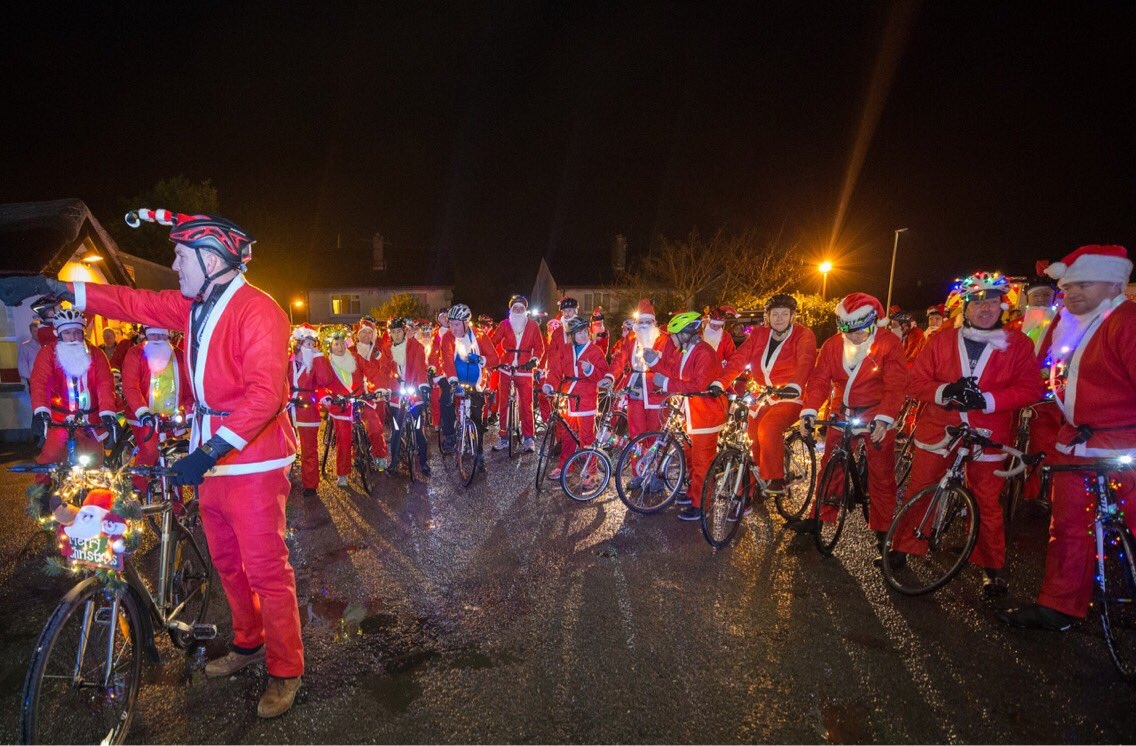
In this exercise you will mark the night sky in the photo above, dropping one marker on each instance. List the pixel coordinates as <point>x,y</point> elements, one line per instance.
<point>480,137</point>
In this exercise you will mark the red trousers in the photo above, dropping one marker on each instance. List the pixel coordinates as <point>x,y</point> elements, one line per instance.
<point>435,405</point>
<point>524,386</point>
<point>55,449</point>
<point>699,455</point>
<point>309,455</point>
<point>927,469</point>
<point>881,478</point>
<point>640,419</point>
<point>1070,562</point>
<point>585,429</point>
<point>243,518</point>
<point>147,454</point>
<point>767,433</point>
<point>345,449</point>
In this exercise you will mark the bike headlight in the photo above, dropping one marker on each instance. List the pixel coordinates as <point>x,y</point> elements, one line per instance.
<point>84,460</point>
<point>748,400</point>
<point>405,391</point>
<point>1125,459</point>
<point>856,422</point>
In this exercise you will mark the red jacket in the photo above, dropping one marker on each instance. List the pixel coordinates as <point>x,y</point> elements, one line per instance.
<point>693,371</point>
<point>625,359</point>
<point>1100,389</point>
<point>136,382</point>
<point>877,385</point>
<point>434,358</point>
<point>725,347</point>
<point>53,391</point>
<point>1008,378</point>
<point>913,343</point>
<point>239,374</point>
<point>413,372</point>
<point>516,353</point>
<point>789,365</point>
<point>484,346</point>
<point>326,377</point>
<point>308,386</point>
<point>568,364</point>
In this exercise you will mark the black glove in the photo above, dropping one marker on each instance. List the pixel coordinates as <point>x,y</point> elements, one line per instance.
<point>431,371</point>
<point>149,421</point>
<point>972,398</point>
<point>39,427</point>
<point>954,392</point>
<point>424,390</point>
<point>114,430</point>
<point>809,421</point>
<point>190,470</point>
<point>716,389</point>
<point>788,391</point>
<point>529,365</point>
<point>15,290</point>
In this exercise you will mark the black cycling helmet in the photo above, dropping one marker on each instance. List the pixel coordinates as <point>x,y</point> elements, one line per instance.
<point>903,317</point>
<point>781,300</point>
<point>567,302</point>
<point>575,324</point>
<point>397,323</point>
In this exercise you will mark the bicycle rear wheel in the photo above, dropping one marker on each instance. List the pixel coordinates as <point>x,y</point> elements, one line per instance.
<point>832,502</point>
<point>547,454</point>
<point>328,442</point>
<point>586,475</point>
<point>364,461</point>
<point>724,494</point>
<point>650,471</point>
<point>800,477</point>
<point>903,461</point>
<point>84,674</point>
<point>469,449</point>
<point>615,436</point>
<point>1116,584</point>
<point>946,518</point>
<point>513,431</point>
<point>190,586</point>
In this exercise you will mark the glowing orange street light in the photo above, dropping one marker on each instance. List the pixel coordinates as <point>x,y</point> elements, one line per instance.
<point>824,267</point>
<point>294,304</point>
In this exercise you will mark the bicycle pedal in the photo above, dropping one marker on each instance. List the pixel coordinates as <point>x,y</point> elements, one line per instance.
<point>203,632</point>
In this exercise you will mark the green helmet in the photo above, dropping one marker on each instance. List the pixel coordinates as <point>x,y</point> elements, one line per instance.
<point>687,321</point>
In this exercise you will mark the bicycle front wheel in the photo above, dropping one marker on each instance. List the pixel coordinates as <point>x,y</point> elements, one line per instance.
<point>800,477</point>
<point>85,671</point>
<point>903,458</point>
<point>364,461</point>
<point>945,520</point>
<point>724,494</point>
<point>190,586</point>
<point>586,475</point>
<point>1116,586</point>
<point>547,455</point>
<point>832,503</point>
<point>649,472</point>
<point>469,448</point>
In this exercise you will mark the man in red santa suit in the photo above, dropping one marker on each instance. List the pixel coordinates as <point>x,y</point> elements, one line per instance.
<point>687,366</point>
<point>71,380</point>
<point>715,334</point>
<point>1091,343</point>
<point>581,365</point>
<point>434,363</point>
<point>934,320</point>
<point>781,354</point>
<point>307,386</point>
<point>408,370</point>
<point>521,345</point>
<point>598,331</point>
<point>980,374</point>
<point>373,349</point>
<point>626,336</point>
<point>354,375</point>
<point>242,443</point>
<point>155,384</point>
<point>557,341</point>
<point>466,356</point>
<point>913,338</point>
<point>866,373</point>
<point>631,367</point>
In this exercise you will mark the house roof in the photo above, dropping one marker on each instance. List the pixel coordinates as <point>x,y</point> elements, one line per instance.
<point>40,237</point>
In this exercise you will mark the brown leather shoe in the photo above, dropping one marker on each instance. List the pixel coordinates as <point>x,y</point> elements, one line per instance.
<point>278,697</point>
<point>231,662</point>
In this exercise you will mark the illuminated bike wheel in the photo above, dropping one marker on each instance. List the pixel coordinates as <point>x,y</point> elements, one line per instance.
<point>945,520</point>
<point>1116,597</point>
<point>586,475</point>
<point>800,477</point>
<point>649,472</point>
<point>724,494</point>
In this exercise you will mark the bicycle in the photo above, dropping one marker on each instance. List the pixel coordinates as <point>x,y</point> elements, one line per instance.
<point>587,472</point>
<point>843,483</point>
<point>407,419</point>
<point>511,428</point>
<point>550,444</point>
<point>170,451</point>
<point>728,480</point>
<point>611,421</point>
<point>1013,492</point>
<point>468,449</point>
<point>1115,578</point>
<point>360,439</point>
<point>904,453</point>
<point>85,672</point>
<point>946,517</point>
<point>652,468</point>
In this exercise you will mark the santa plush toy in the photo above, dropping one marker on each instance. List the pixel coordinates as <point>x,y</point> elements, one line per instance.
<point>88,521</point>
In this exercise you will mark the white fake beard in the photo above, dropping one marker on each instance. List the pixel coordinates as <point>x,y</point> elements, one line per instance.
<point>345,363</point>
<point>712,336</point>
<point>307,355</point>
<point>157,355</point>
<point>74,358</point>
<point>518,321</point>
<point>994,337</point>
<point>364,349</point>
<point>854,354</point>
<point>647,337</point>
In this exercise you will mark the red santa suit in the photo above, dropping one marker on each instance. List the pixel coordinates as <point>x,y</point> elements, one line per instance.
<point>434,360</point>
<point>307,390</point>
<point>84,393</point>
<point>1006,370</point>
<point>913,342</point>
<point>578,372</point>
<point>377,370</point>
<point>868,382</point>
<point>517,344</point>
<point>351,375</point>
<point>721,341</point>
<point>785,364</point>
<point>692,371</point>
<point>1093,379</point>
<point>153,383</point>
<point>239,374</point>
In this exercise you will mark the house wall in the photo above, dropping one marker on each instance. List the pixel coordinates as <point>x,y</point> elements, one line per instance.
<point>351,303</point>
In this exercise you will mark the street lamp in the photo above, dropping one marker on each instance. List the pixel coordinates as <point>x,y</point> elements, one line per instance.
<point>825,268</point>
<point>891,275</point>
<point>294,304</point>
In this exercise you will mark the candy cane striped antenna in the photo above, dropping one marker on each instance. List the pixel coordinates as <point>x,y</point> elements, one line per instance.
<point>135,218</point>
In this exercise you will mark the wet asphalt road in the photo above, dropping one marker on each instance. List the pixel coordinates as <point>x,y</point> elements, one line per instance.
<point>493,614</point>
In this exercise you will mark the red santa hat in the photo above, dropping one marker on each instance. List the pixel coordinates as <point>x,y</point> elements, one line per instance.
<point>645,309</point>
<point>939,309</point>
<point>1092,264</point>
<point>305,331</point>
<point>99,498</point>
<point>858,310</point>
<point>366,323</point>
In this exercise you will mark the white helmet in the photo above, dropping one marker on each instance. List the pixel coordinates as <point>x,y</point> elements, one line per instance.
<point>68,317</point>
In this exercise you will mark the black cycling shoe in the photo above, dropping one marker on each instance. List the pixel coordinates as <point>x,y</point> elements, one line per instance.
<point>683,499</point>
<point>896,560</point>
<point>690,513</point>
<point>993,584</point>
<point>804,526</point>
<point>1036,616</point>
